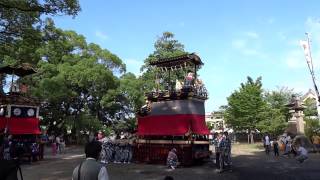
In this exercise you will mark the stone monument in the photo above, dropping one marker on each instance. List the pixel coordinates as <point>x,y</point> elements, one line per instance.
<point>295,123</point>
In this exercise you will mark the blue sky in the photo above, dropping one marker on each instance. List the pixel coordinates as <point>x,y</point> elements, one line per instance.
<point>235,39</point>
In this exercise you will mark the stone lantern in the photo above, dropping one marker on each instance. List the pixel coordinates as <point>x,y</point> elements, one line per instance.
<point>296,123</point>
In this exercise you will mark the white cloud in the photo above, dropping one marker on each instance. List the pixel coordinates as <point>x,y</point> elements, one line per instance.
<point>246,48</point>
<point>182,24</point>
<point>294,59</point>
<point>313,28</point>
<point>270,20</point>
<point>133,65</point>
<point>253,35</point>
<point>313,24</point>
<point>251,52</point>
<point>299,86</point>
<point>282,35</point>
<point>266,21</point>
<point>239,43</point>
<point>295,43</point>
<point>130,61</point>
<point>101,35</point>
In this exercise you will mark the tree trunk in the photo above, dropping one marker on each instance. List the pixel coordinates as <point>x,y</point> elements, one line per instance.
<point>1,83</point>
<point>251,136</point>
<point>74,129</point>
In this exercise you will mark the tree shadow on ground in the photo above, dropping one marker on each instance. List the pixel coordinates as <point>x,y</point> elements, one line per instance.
<point>254,165</point>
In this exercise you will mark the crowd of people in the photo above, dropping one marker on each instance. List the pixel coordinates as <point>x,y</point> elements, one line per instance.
<point>116,152</point>
<point>101,150</point>
<point>20,147</point>
<point>114,149</point>
<point>222,143</point>
<point>58,144</point>
<point>189,84</point>
<point>289,147</point>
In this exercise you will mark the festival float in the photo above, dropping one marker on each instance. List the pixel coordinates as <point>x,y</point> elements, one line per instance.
<point>174,117</point>
<point>19,113</point>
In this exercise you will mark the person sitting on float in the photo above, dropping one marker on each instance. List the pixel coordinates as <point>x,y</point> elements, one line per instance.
<point>189,79</point>
<point>178,85</point>
<point>199,86</point>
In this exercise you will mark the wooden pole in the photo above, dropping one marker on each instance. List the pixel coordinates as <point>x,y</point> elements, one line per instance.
<point>310,66</point>
<point>195,72</point>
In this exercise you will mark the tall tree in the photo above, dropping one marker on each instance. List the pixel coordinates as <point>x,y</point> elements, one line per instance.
<point>165,46</point>
<point>311,107</point>
<point>75,79</point>
<point>278,99</point>
<point>312,127</point>
<point>21,25</point>
<point>246,106</point>
<point>131,88</point>
<point>22,18</point>
<point>276,112</point>
<point>274,121</point>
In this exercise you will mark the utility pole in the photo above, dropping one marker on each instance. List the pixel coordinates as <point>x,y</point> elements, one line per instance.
<point>307,50</point>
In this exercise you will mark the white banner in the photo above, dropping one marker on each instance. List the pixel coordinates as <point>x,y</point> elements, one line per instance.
<point>306,49</point>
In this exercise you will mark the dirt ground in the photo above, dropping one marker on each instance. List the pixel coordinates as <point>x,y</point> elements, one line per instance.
<point>249,162</point>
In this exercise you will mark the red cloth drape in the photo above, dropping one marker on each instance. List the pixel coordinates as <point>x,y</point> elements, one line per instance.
<point>18,125</point>
<point>2,122</point>
<point>179,124</point>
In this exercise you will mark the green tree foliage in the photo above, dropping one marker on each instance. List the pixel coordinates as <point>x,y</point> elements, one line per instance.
<point>310,107</point>
<point>276,112</point>
<point>131,88</point>
<point>246,106</point>
<point>312,127</point>
<point>279,99</point>
<point>128,125</point>
<point>21,27</point>
<point>209,126</point>
<point>252,108</point>
<point>22,18</point>
<point>130,94</point>
<point>165,46</point>
<point>76,79</point>
<point>274,121</point>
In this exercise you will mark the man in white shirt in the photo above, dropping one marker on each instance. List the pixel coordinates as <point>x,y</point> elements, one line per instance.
<point>267,143</point>
<point>58,144</point>
<point>91,169</point>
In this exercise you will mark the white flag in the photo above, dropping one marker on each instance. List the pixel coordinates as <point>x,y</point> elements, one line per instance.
<point>305,46</point>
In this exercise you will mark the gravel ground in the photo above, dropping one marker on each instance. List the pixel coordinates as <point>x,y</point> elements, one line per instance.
<point>249,163</point>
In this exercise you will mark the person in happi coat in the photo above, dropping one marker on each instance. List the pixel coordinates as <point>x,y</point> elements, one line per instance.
<point>172,159</point>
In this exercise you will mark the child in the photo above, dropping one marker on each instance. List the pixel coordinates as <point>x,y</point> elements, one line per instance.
<point>276,147</point>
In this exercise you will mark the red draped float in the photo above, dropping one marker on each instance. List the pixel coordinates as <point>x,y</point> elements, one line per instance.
<point>20,126</point>
<point>175,125</point>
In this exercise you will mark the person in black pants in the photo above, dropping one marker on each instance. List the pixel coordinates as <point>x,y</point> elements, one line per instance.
<point>276,148</point>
